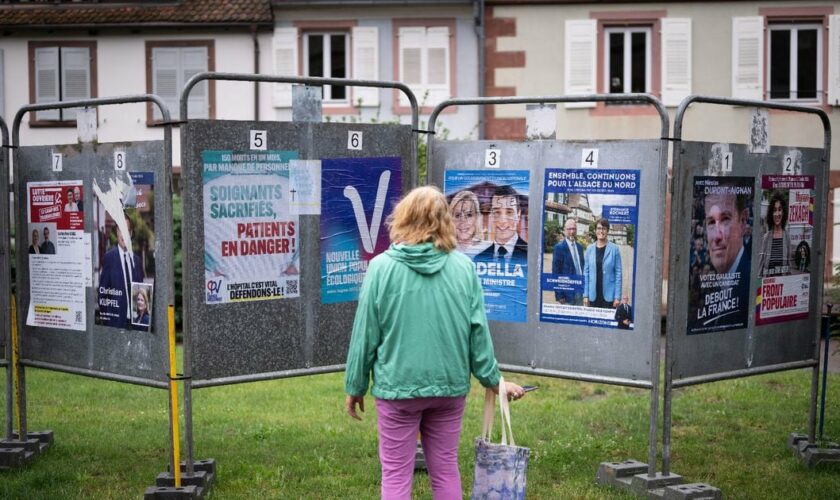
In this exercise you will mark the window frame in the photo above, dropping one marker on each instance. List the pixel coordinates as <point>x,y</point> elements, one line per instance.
<point>793,27</point>
<point>327,89</point>
<point>628,68</point>
<point>150,75</point>
<point>399,108</point>
<point>59,44</point>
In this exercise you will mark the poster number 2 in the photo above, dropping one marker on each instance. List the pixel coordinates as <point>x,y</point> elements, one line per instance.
<point>259,140</point>
<point>354,140</point>
<point>492,158</point>
<point>119,160</point>
<point>790,166</point>
<point>57,165</point>
<point>589,158</point>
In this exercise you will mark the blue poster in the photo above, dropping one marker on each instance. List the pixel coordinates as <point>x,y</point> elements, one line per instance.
<point>590,221</point>
<point>490,212</point>
<point>356,196</point>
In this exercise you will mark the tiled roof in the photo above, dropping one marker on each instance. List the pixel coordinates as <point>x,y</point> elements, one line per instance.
<point>183,12</point>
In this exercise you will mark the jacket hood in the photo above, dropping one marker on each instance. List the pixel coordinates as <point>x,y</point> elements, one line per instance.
<point>423,258</point>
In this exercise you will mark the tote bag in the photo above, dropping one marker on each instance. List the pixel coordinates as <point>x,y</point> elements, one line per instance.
<point>499,468</point>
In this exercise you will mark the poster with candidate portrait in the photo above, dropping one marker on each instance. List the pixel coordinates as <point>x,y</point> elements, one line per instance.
<point>124,255</point>
<point>721,242</point>
<point>57,251</point>
<point>356,196</point>
<point>787,228</point>
<point>590,221</point>
<point>490,212</point>
<point>251,243</point>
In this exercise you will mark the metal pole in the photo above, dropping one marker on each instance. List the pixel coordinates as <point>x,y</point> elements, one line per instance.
<point>6,274</point>
<point>826,329</point>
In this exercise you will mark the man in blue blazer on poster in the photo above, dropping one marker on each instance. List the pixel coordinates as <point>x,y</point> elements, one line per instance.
<point>120,267</point>
<point>567,260</point>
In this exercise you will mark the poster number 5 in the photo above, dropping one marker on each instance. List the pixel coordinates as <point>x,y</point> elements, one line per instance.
<point>258,140</point>
<point>492,158</point>
<point>354,140</point>
<point>119,160</point>
<point>57,165</point>
<point>589,158</point>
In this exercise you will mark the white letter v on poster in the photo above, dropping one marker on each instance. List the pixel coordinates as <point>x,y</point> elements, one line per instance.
<point>369,234</point>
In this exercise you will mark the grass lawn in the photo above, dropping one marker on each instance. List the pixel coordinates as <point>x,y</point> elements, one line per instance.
<point>291,438</point>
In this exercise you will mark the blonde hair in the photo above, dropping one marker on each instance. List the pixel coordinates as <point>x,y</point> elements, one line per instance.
<point>468,197</point>
<point>423,216</point>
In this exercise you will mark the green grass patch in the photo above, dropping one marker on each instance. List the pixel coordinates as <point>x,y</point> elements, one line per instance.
<point>291,438</point>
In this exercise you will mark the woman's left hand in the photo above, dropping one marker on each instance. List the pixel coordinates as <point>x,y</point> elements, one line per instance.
<point>351,401</point>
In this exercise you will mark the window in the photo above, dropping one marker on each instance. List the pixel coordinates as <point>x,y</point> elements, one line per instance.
<point>60,71</point>
<point>794,69</point>
<point>327,55</point>
<point>424,63</point>
<point>627,60</point>
<point>169,66</point>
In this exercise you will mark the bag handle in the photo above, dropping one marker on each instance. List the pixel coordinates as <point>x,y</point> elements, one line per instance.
<point>489,414</point>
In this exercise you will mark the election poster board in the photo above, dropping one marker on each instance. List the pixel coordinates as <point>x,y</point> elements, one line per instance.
<point>57,248</point>
<point>124,266</point>
<point>590,221</point>
<point>357,194</point>
<point>787,222</point>
<point>490,212</point>
<point>251,244</point>
<point>721,248</point>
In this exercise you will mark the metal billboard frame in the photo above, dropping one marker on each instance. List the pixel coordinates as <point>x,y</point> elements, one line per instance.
<point>676,242</point>
<point>653,386</point>
<point>5,275</point>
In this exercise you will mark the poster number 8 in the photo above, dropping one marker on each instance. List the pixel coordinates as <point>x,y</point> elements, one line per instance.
<point>119,160</point>
<point>492,158</point>
<point>259,140</point>
<point>354,140</point>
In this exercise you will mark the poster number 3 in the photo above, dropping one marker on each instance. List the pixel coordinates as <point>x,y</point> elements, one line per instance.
<point>492,158</point>
<point>354,140</point>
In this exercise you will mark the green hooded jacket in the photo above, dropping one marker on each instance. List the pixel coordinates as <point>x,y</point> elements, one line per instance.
<point>420,326</point>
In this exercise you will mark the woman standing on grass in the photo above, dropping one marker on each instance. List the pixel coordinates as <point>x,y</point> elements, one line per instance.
<point>421,327</point>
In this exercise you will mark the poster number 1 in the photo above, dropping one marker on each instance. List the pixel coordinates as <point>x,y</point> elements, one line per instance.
<point>119,160</point>
<point>492,158</point>
<point>259,140</point>
<point>354,140</point>
<point>589,158</point>
<point>57,165</point>
<point>726,162</point>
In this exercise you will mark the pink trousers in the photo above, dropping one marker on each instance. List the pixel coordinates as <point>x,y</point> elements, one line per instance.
<point>439,422</point>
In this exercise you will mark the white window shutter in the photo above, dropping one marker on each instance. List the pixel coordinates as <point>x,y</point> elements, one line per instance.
<point>193,62</point>
<point>165,67</point>
<point>748,57</point>
<point>676,60</point>
<point>75,77</point>
<point>46,81</point>
<point>285,64</point>
<point>412,45</point>
<point>365,42</point>
<point>436,76</point>
<point>580,59</point>
<point>834,60</point>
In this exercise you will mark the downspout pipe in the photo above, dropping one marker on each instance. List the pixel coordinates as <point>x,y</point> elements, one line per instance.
<point>480,33</point>
<point>256,71</point>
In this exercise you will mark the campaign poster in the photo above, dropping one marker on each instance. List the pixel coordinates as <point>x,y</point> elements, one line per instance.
<point>787,223</point>
<point>719,261</point>
<point>124,255</point>
<point>356,196</point>
<point>590,221</point>
<point>251,239</point>
<point>55,231</point>
<point>490,212</point>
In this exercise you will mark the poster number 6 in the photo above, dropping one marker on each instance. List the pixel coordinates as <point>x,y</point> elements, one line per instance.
<point>354,140</point>
<point>119,160</point>
<point>492,158</point>
<point>258,140</point>
<point>57,165</point>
